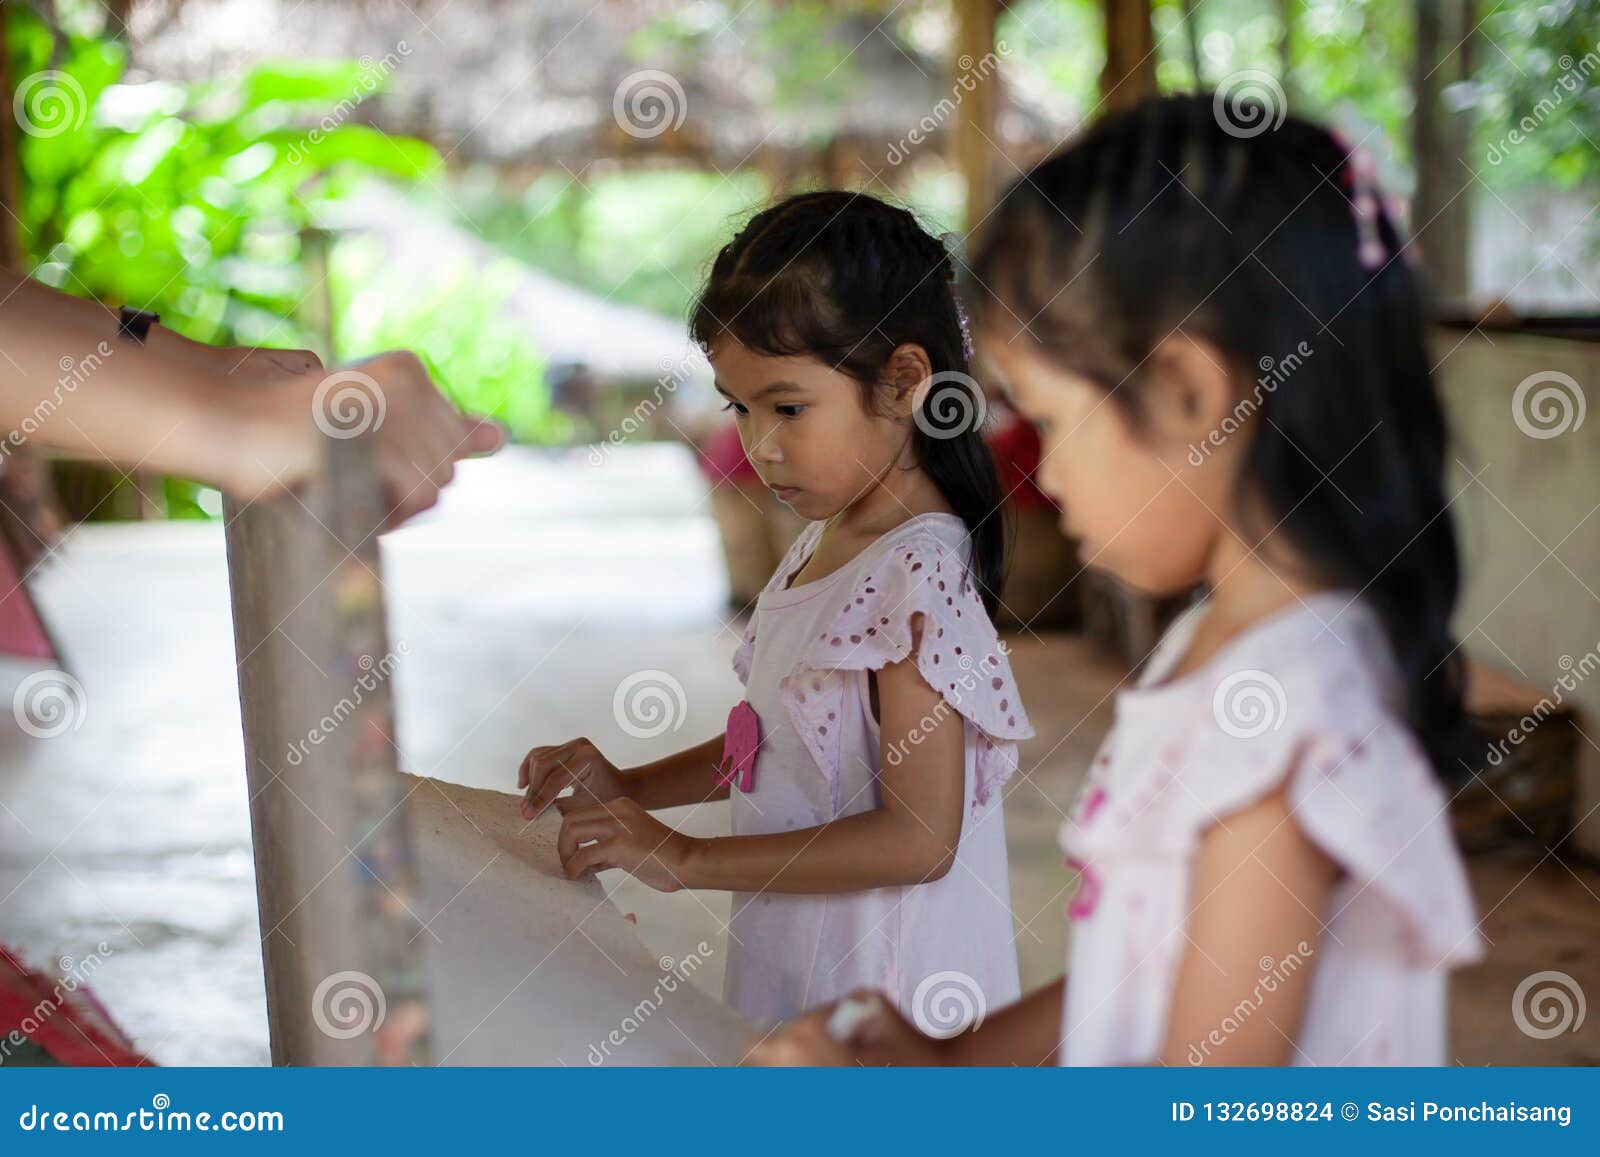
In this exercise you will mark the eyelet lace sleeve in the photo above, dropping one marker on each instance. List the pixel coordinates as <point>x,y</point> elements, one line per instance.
<point>959,654</point>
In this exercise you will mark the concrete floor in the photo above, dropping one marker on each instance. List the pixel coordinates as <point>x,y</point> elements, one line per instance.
<point>523,600</point>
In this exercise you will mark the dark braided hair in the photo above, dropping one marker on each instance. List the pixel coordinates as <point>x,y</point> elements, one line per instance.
<point>846,278</point>
<point>1170,216</point>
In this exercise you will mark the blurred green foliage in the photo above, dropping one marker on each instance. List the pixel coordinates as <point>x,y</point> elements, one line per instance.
<point>194,200</point>
<point>1540,75</point>
<point>198,201</point>
<point>644,237</point>
<point>457,325</point>
<point>187,200</point>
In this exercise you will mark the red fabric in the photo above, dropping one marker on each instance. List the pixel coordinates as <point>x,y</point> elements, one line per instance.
<point>22,632</point>
<point>73,1027</point>
<point>1013,442</point>
<point>722,459</point>
<point>1016,449</point>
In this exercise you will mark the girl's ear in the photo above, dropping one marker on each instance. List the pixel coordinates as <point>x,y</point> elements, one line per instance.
<point>908,367</point>
<point>1191,390</point>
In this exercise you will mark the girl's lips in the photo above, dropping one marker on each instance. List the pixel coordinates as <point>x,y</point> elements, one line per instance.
<point>785,491</point>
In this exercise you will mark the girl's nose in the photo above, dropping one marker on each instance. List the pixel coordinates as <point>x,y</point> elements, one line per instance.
<point>765,450</point>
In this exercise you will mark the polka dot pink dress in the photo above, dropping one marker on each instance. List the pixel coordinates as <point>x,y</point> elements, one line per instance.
<point>943,950</point>
<point>1306,699</point>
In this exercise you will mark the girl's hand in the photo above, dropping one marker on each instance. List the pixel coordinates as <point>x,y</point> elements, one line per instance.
<point>578,764</point>
<point>882,1037</point>
<point>625,836</point>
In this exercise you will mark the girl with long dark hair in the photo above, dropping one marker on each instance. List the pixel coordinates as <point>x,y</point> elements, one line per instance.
<point>881,716</point>
<point>1209,316</point>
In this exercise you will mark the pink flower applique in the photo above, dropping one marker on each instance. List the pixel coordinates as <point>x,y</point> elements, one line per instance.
<point>1093,803</point>
<point>739,747</point>
<point>1088,896</point>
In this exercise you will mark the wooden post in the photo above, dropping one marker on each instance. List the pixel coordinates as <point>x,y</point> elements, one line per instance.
<point>975,72</point>
<point>335,878</point>
<point>1191,36</point>
<point>1129,74</point>
<point>1441,210</point>
<point>10,164</point>
<point>1287,10</point>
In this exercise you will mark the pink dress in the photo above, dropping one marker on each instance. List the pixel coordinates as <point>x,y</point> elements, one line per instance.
<point>1305,698</point>
<point>943,950</point>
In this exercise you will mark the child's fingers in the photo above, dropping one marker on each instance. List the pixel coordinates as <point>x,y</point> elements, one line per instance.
<point>525,768</point>
<point>800,1042</point>
<point>530,764</point>
<point>593,858</point>
<point>574,834</point>
<point>857,1019</point>
<point>588,811</point>
<point>535,801</point>
<point>549,775</point>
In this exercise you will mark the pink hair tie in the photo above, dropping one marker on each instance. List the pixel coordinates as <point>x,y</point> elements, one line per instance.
<point>1360,176</point>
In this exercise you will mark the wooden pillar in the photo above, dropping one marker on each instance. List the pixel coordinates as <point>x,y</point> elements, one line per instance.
<point>975,75</point>
<point>1287,11</point>
<point>10,163</point>
<point>1441,140</point>
<point>335,878</point>
<point>1129,74</point>
<point>1191,37</point>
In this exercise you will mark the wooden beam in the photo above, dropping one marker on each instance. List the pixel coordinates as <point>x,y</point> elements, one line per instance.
<point>335,878</point>
<point>10,163</point>
<point>974,78</point>
<point>1441,139</point>
<point>1129,74</point>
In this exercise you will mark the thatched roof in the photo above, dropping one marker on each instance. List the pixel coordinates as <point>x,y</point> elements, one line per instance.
<point>570,81</point>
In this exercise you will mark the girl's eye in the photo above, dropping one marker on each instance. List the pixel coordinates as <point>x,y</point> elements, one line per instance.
<point>790,411</point>
<point>734,406</point>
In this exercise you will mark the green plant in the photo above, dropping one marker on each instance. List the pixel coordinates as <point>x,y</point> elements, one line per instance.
<point>457,326</point>
<point>186,199</point>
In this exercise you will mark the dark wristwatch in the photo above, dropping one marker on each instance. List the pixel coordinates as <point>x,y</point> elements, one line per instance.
<point>135,323</point>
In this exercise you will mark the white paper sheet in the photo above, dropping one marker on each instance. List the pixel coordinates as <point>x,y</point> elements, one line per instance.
<point>529,968</point>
